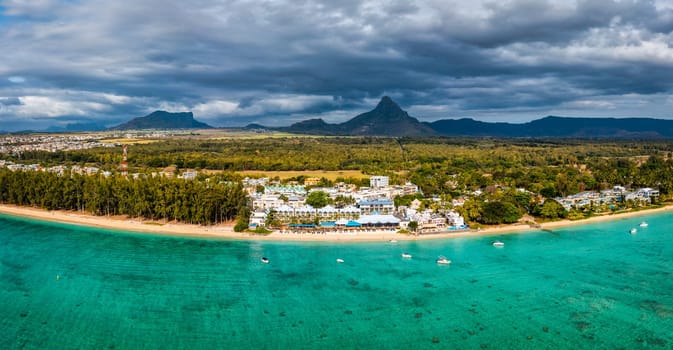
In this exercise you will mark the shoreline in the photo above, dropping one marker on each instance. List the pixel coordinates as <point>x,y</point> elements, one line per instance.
<point>225,231</point>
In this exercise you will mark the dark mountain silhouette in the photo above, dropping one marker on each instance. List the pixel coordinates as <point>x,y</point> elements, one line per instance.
<point>560,127</point>
<point>254,126</point>
<point>313,127</point>
<point>163,120</point>
<point>387,119</point>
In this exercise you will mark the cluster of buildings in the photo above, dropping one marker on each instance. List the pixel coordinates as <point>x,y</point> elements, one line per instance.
<point>353,209</point>
<point>16,144</point>
<point>614,196</point>
<point>91,170</point>
<point>58,169</point>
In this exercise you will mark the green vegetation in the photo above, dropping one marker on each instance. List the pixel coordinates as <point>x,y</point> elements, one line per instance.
<point>152,198</point>
<point>437,165</point>
<point>318,199</point>
<point>500,212</point>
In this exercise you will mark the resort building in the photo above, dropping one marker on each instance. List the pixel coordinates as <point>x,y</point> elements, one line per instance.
<point>266,201</point>
<point>378,181</point>
<point>614,196</point>
<point>454,219</point>
<point>381,206</point>
<point>643,194</point>
<point>258,219</point>
<point>286,190</point>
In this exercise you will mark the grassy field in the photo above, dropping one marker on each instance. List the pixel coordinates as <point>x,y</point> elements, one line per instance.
<point>330,175</point>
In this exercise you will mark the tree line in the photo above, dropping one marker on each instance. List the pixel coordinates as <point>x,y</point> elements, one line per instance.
<point>156,198</point>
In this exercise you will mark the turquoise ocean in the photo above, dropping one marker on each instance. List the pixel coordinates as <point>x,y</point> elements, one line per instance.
<point>592,286</point>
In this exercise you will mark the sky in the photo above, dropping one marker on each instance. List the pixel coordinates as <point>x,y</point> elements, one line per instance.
<point>276,62</point>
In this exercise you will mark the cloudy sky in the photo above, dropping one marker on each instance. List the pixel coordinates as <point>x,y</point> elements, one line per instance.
<point>276,62</point>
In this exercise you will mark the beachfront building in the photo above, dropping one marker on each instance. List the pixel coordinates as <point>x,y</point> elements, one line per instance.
<point>643,194</point>
<point>266,201</point>
<point>327,212</point>
<point>307,213</point>
<point>380,206</point>
<point>453,219</point>
<point>258,219</point>
<point>379,221</point>
<point>614,196</point>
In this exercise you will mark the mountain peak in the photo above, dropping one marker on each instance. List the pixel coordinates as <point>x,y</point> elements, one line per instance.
<point>163,120</point>
<point>387,104</point>
<point>387,119</point>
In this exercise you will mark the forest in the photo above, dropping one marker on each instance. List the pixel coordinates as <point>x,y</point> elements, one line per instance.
<point>157,198</point>
<point>553,167</point>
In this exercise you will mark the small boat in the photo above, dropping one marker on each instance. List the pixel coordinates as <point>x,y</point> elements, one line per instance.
<point>406,255</point>
<point>643,224</point>
<point>340,260</point>
<point>265,260</point>
<point>498,244</point>
<point>393,241</point>
<point>633,231</point>
<point>443,261</point>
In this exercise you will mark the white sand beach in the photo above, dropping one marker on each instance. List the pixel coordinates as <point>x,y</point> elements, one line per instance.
<point>225,231</point>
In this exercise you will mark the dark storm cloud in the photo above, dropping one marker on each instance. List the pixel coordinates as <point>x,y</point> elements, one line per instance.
<point>10,101</point>
<point>234,62</point>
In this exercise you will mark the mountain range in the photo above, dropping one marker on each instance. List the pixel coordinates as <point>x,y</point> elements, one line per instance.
<point>388,119</point>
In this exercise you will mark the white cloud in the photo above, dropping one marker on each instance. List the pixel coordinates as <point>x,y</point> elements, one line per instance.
<point>37,106</point>
<point>591,104</point>
<point>215,108</point>
<point>17,79</point>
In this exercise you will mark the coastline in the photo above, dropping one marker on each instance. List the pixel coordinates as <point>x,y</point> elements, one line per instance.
<point>225,231</point>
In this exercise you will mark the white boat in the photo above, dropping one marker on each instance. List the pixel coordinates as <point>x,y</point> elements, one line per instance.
<point>643,224</point>
<point>393,241</point>
<point>633,230</point>
<point>406,255</point>
<point>443,261</point>
<point>340,261</point>
<point>265,260</point>
<point>498,244</point>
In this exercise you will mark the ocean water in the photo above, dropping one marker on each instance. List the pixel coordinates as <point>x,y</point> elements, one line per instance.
<point>584,287</point>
